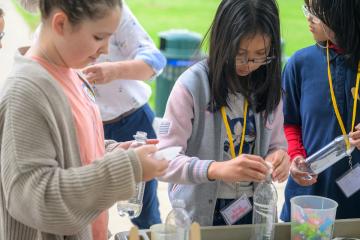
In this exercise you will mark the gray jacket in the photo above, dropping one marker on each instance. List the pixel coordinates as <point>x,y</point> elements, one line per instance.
<point>187,173</point>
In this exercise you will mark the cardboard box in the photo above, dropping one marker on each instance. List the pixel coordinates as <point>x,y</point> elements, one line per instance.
<point>343,228</point>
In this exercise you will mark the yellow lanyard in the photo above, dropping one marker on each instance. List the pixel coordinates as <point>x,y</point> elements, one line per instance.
<point>333,99</point>
<point>228,130</point>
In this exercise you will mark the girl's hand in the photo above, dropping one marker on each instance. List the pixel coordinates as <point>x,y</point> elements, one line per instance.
<point>281,165</point>
<point>246,167</point>
<point>100,73</point>
<point>300,176</point>
<point>355,137</point>
<point>152,167</point>
<point>134,144</point>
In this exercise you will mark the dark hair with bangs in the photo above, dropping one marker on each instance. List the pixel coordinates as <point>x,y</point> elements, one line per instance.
<point>78,10</point>
<point>1,13</point>
<point>234,21</point>
<point>342,17</point>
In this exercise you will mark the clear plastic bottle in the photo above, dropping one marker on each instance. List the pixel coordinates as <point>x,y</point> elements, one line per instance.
<point>264,210</point>
<point>328,155</point>
<point>179,218</point>
<point>133,206</point>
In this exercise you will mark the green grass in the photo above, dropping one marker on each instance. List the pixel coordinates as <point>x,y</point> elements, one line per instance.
<point>31,19</point>
<point>196,15</point>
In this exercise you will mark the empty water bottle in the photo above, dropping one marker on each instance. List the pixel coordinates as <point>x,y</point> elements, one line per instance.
<point>133,206</point>
<point>264,210</point>
<point>179,218</point>
<point>328,155</point>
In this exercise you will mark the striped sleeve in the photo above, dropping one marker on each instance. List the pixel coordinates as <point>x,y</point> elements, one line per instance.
<point>37,191</point>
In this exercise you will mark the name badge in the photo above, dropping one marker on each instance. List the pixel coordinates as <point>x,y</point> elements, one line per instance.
<point>236,210</point>
<point>349,183</point>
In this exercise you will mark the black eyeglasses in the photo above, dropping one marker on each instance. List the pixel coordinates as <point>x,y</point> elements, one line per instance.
<point>240,61</point>
<point>2,35</point>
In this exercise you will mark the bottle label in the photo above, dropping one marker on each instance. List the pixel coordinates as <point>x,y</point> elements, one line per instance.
<point>350,181</point>
<point>236,210</point>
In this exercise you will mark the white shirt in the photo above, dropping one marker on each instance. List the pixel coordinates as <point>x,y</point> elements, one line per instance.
<point>130,41</point>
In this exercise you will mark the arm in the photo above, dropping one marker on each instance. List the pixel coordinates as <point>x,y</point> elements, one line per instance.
<point>277,154</point>
<point>37,191</point>
<point>179,111</point>
<point>142,60</point>
<point>292,119</point>
<point>294,138</point>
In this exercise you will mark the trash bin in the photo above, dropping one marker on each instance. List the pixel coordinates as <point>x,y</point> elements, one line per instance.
<point>181,49</point>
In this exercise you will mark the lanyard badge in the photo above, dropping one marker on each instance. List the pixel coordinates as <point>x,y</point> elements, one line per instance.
<point>228,130</point>
<point>349,183</point>
<point>335,106</point>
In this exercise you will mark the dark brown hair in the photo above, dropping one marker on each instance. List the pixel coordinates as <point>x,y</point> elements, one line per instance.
<point>78,10</point>
<point>235,20</point>
<point>343,18</point>
<point>1,13</point>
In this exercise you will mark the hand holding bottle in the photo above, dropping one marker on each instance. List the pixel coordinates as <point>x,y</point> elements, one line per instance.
<point>281,164</point>
<point>245,167</point>
<point>152,167</point>
<point>355,137</point>
<point>299,172</point>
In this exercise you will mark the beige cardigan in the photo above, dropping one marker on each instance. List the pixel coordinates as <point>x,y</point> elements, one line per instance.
<point>45,192</point>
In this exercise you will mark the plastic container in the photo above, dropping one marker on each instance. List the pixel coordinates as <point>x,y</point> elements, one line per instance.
<point>327,156</point>
<point>179,218</point>
<point>163,232</point>
<point>133,207</point>
<point>312,217</point>
<point>264,212</point>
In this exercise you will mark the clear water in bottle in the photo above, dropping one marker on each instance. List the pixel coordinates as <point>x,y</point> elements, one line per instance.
<point>132,207</point>
<point>264,210</point>
<point>179,218</point>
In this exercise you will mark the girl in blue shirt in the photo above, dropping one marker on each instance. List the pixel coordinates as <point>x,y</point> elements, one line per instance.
<point>308,105</point>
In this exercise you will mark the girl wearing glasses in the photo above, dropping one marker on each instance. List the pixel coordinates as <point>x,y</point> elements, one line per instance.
<point>2,26</point>
<point>319,81</point>
<point>226,114</point>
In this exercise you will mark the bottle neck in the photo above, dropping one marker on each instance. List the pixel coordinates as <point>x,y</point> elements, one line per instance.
<point>268,178</point>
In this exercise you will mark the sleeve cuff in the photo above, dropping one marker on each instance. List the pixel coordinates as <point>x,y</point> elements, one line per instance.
<point>198,170</point>
<point>154,59</point>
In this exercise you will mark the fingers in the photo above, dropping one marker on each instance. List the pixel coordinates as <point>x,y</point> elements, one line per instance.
<point>152,141</point>
<point>277,157</point>
<point>302,178</point>
<point>355,135</point>
<point>125,145</point>
<point>89,69</point>
<point>91,77</point>
<point>355,143</point>
<point>253,176</point>
<point>254,162</point>
<point>149,149</point>
<point>281,172</point>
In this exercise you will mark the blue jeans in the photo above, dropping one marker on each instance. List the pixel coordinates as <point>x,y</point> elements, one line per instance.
<point>218,218</point>
<point>123,130</point>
